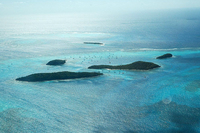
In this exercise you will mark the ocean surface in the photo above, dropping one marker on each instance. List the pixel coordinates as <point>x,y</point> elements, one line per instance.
<point>164,100</point>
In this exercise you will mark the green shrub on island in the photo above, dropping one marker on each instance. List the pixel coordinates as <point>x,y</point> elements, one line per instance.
<point>139,65</point>
<point>56,62</point>
<point>38,77</point>
<point>168,55</point>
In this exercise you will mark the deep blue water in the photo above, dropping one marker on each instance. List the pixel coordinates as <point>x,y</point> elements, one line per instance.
<point>160,100</point>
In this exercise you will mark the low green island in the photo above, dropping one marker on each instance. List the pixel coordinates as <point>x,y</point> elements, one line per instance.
<point>168,55</point>
<point>39,77</point>
<point>56,62</point>
<point>138,65</point>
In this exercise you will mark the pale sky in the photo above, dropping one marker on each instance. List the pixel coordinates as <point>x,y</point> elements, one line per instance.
<point>67,6</point>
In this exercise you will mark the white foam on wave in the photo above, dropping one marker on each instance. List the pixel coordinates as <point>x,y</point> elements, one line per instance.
<point>170,49</point>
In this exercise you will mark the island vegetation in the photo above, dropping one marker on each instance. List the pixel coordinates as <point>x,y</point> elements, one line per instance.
<point>139,65</point>
<point>39,77</point>
<point>56,62</point>
<point>168,55</point>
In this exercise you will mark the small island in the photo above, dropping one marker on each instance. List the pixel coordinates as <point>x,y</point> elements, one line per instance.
<point>168,55</point>
<point>98,43</point>
<point>56,62</point>
<point>139,65</point>
<point>39,77</point>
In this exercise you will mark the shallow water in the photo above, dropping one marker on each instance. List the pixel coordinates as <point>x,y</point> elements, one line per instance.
<point>165,99</point>
<point>118,101</point>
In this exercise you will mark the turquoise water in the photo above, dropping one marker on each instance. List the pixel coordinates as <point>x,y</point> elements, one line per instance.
<point>116,102</point>
<point>160,100</point>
